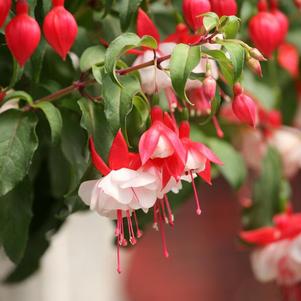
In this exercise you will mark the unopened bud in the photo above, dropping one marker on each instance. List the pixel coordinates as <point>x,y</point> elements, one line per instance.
<point>254,66</point>
<point>209,87</point>
<point>244,107</point>
<point>60,28</point>
<point>256,54</point>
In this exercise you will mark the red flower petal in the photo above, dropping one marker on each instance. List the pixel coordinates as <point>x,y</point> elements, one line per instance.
<point>262,236</point>
<point>206,173</point>
<point>148,143</point>
<point>119,154</point>
<point>145,26</point>
<point>97,160</point>
<point>207,152</point>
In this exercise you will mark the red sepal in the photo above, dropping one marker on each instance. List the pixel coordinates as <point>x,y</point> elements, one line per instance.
<point>97,161</point>
<point>119,154</point>
<point>145,26</point>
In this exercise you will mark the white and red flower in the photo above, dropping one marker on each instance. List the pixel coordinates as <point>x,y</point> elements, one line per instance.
<point>278,253</point>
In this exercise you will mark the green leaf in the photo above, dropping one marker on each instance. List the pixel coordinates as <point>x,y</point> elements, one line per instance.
<point>230,26</point>
<point>97,73</point>
<point>128,10</point>
<point>74,144</point>
<point>94,55</point>
<point>137,119</point>
<point>15,217</point>
<point>183,60</point>
<point>54,118</point>
<point>224,63</point>
<point>19,95</point>
<point>94,121</point>
<point>210,21</point>
<point>237,57</point>
<point>267,193</point>
<point>18,143</point>
<point>122,44</point>
<point>234,169</point>
<point>118,100</point>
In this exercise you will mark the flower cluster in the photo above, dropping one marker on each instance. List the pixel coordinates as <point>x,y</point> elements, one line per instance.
<point>23,32</point>
<point>133,181</point>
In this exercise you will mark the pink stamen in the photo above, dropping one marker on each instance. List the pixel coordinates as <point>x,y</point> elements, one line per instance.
<point>163,211</point>
<point>196,197</point>
<point>139,232</point>
<point>155,225</point>
<point>130,228</point>
<point>161,229</point>
<point>218,129</point>
<point>170,215</point>
<point>118,259</point>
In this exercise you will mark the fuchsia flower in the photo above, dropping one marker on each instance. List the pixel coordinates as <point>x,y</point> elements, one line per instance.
<point>22,34</point>
<point>278,253</point>
<point>161,144</point>
<point>192,11</point>
<point>199,158</point>
<point>4,10</point>
<point>153,79</point>
<point>123,189</point>
<point>268,29</point>
<point>244,107</point>
<point>60,28</point>
<point>224,7</point>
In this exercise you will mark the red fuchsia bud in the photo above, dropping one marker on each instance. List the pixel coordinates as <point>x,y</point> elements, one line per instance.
<point>60,28</point>
<point>146,27</point>
<point>193,9</point>
<point>224,7</point>
<point>265,32</point>
<point>209,87</point>
<point>254,66</point>
<point>288,58</point>
<point>4,10</point>
<point>22,34</point>
<point>244,107</point>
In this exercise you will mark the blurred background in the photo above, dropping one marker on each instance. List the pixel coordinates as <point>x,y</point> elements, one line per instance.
<point>206,261</point>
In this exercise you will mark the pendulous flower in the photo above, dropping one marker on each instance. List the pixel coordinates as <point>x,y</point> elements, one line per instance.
<point>22,34</point>
<point>60,28</point>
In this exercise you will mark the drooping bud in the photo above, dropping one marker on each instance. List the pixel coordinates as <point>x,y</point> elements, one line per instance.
<point>4,10</point>
<point>288,58</point>
<point>224,7</point>
<point>256,54</point>
<point>60,28</point>
<point>244,107</point>
<point>22,34</point>
<point>209,87</point>
<point>265,32</point>
<point>193,9</point>
<point>254,66</point>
